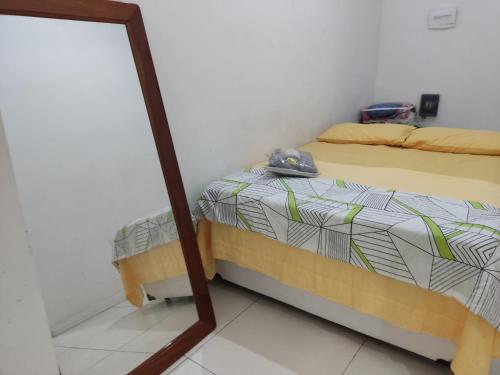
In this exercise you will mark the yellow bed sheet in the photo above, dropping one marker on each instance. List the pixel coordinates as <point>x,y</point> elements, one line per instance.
<point>477,167</point>
<point>403,305</point>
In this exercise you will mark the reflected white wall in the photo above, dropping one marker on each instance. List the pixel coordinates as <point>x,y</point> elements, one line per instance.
<point>82,150</point>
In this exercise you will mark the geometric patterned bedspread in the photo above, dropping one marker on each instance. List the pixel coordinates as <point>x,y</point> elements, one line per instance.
<point>145,234</point>
<point>448,246</point>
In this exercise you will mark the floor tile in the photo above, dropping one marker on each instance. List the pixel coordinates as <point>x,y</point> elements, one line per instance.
<point>58,350</point>
<point>118,363</point>
<point>91,327</point>
<point>181,315</point>
<point>143,318</point>
<point>113,328</point>
<point>228,301</point>
<point>254,335</point>
<point>124,304</point>
<point>75,361</point>
<point>175,365</point>
<point>377,358</point>
<point>189,367</point>
<point>272,338</point>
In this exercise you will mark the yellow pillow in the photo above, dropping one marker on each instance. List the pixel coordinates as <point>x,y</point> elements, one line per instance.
<point>453,140</point>
<point>370,134</point>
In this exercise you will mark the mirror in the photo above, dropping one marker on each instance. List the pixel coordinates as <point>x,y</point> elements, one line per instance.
<point>101,226</point>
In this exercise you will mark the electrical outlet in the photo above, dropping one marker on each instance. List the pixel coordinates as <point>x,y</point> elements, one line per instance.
<point>429,105</point>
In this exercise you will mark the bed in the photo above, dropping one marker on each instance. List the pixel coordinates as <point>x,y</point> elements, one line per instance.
<point>371,167</point>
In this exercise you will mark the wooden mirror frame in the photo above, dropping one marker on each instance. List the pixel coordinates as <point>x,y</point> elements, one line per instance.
<point>130,16</point>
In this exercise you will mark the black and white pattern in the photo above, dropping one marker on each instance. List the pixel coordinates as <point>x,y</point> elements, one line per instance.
<point>144,234</point>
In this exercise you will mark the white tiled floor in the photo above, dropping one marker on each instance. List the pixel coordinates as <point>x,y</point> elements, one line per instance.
<point>255,335</point>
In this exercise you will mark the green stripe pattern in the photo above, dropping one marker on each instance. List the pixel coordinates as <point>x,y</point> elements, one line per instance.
<point>241,186</point>
<point>477,205</point>
<point>362,256</point>
<point>454,234</point>
<point>243,220</point>
<point>341,184</point>
<point>352,214</point>
<point>478,226</point>
<point>439,238</point>
<point>292,203</point>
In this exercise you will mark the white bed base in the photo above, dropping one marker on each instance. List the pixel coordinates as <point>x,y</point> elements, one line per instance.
<point>425,345</point>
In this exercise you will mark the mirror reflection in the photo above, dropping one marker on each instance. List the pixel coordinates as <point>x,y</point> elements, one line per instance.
<point>92,191</point>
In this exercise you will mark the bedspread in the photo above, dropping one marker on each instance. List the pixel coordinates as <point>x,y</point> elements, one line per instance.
<point>146,234</point>
<point>445,245</point>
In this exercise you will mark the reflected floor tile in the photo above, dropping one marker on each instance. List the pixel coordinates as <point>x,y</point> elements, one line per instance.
<point>113,328</point>
<point>273,338</point>
<point>75,361</point>
<point>377,358</point>
<point>118,363</point>
<point>124,304</point>
<point>180,316</point>
<point>189,367</point>
<point>91,327</point>
<point>59,350</point>
<point>228,301</point>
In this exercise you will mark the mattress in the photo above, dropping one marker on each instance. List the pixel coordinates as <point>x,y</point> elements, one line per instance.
<point>474,178</point>
<point>477,167</point>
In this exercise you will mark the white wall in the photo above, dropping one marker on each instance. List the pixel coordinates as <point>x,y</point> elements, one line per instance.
<point>25,343</point>
<point>461,64</point>
<point>82,150</point>
<point>240,78</point>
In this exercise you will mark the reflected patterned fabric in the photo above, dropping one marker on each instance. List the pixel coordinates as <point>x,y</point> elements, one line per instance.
<point>448,246</point>
<point>144,234</point>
